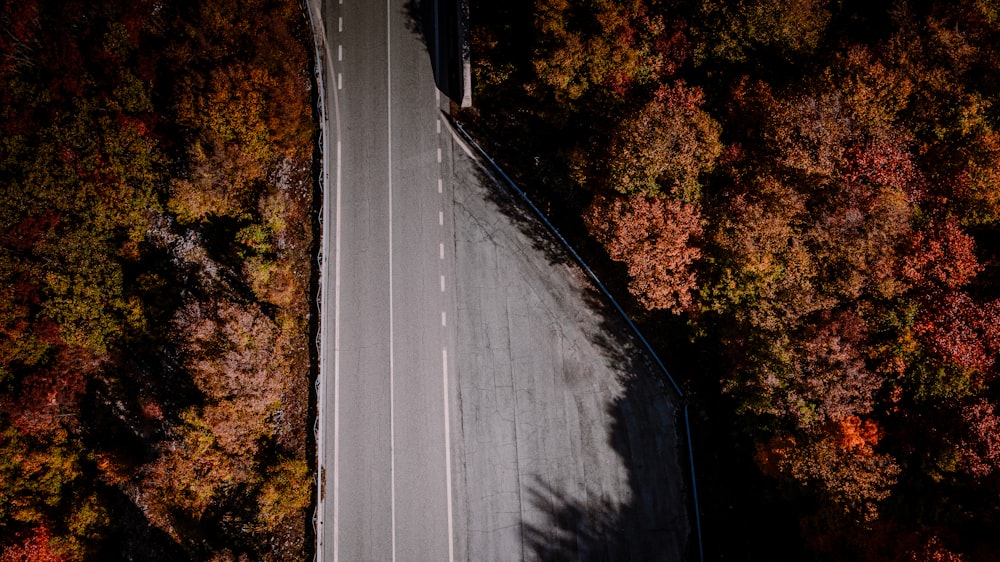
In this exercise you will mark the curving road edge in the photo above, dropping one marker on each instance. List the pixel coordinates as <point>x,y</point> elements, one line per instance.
<point>323,68</point>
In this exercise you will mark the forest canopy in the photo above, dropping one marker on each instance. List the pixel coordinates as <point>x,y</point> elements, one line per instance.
<point>810,189</point>
<point>155,233</point>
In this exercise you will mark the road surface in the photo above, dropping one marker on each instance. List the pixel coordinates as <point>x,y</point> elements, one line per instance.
<point>476,400</point>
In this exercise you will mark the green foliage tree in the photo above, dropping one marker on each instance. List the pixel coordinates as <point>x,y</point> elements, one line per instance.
<point>603,44</point>
<point>282,494</point>
<point>666,147</point>
<point>738,31</point>
<point>36,473</point>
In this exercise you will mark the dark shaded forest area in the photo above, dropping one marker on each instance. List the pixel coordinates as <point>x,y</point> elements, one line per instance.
<point>800,199</point>
<point>156,193</point>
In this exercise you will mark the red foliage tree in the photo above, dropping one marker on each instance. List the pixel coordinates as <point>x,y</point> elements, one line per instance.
<point>886,160</point>
<point>830,374</point>
<point>979,445</point>
<point>956,330</point>
<point>856,434</point>
<point>656,238</point>
<point>49,397</point>
<point>933,550</point>
<point>812,378</point>
<point>20,40</point>
<point>34,547</point>
<point>941,255</point>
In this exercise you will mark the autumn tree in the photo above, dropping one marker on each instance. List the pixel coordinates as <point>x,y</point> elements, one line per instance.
<point>840,465</point>
<point>949,112</point>
<point>106,110</point>
<point>979,440</point>
<point>821,377</point>
<point>604,44</point>
<point>233,147</point>
<point>657,239</point>
<point>958,344</point>
<point>933,550</point>
<point>841,162</point>
<point>666,147</point>
<point>764,277</point>
<point>740,31</point>
<point>33,547</point>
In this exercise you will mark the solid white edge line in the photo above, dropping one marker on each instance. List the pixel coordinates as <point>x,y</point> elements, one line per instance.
<point>392,405</point>
<point>447,454</point>
<point>336,367</point>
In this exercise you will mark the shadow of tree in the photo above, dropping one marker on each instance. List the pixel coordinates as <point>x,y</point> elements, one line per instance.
<point>512,206</point>
<point>134,539</point>
<point>652,525</point>
<point>577,530</point>
<point>572,520</point>
<point>435,22</point>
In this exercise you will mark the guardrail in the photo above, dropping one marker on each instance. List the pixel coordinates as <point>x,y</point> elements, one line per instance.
<point>635,329</point>
<point>320,62</point>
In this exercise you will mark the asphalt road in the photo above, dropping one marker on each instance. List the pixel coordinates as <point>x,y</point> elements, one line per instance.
<point>477,400</point>
<point>386,468</point>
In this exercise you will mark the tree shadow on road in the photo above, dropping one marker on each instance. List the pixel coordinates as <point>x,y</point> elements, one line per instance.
<point>574,522</point>
<point>653,524</point>
<point>515,208</point>
<point>435,23</point>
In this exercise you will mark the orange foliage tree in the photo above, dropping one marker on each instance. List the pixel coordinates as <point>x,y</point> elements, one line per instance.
<point>35,547</point>
<point>633,46</point>
<point>657,238</point>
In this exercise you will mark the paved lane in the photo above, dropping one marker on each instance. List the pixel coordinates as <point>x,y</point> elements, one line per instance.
<point>420,305</point>
<point>386,457</point>
<point>477,401</point>
<point>568,445</point>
